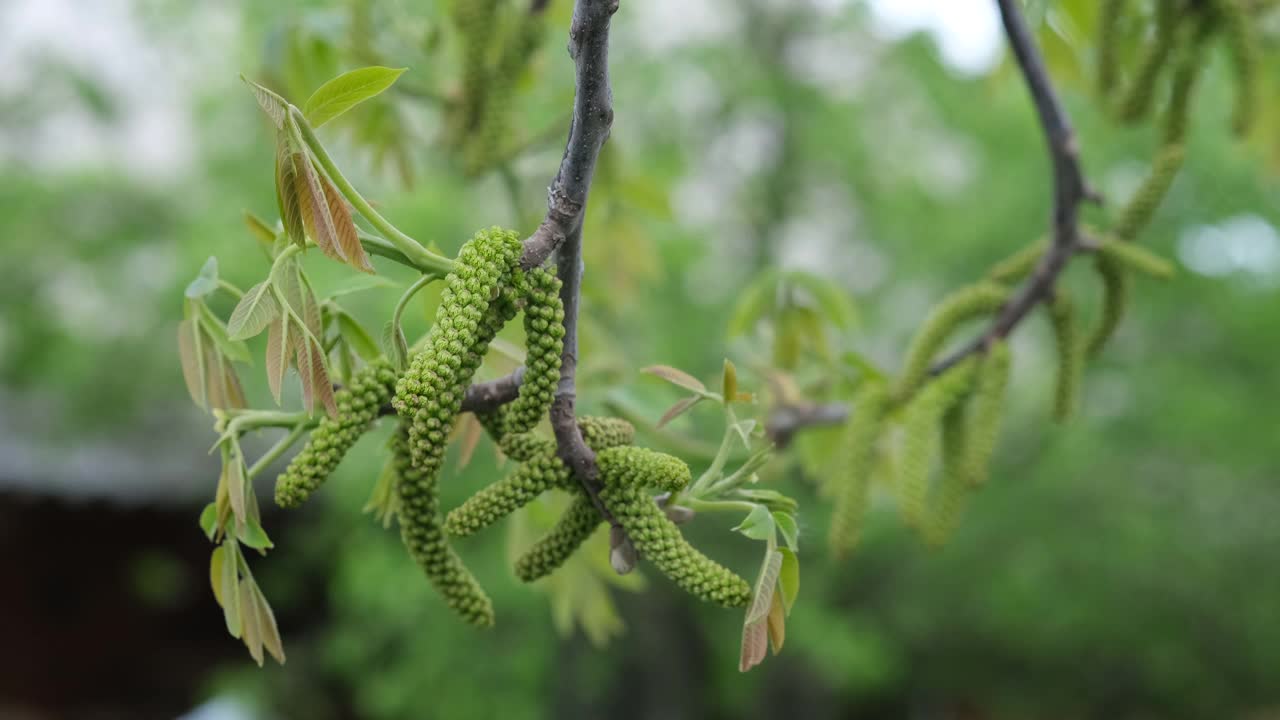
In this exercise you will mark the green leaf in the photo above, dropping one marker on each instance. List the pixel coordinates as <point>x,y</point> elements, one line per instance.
<point>209,520</point>
<point>758,525</point>
<point>346,91</point>
<point>229,587</point>
<point>267,624</point>
<point>357,337</point>
<point>260,230</point>
<point>757,300</point>
<point>865,367</point>
<point>836,306</point>
<point>762,596</point>
<point>217,563</point>
<point>252,535</point>
<point>206,283</point>
<point>777,622</point>
<point>772,498</point>
<point>276,107</point>
<point>676,377</point>
<point>256,310</point>
<point>233,476</point>
<point>395,345</point>
<point>190,353</point>
<point>786,523</point>
<point>215,330</point>
<point>281,339</point>
<point>251,620</point>
<point>360,283</point>
<point>789,578</point>
<point>729,384</point>
<point>682,405</point>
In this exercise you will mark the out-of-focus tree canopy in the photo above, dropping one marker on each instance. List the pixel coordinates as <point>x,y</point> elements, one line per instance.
<point>1119,565</point>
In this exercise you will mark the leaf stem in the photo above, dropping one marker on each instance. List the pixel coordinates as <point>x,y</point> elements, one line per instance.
<point>281,446</point>
<point>412,249</point>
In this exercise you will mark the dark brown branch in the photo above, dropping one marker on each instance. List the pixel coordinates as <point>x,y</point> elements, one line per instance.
<point>492,394</point>
<point>1069,191</point>
<point>561,232</point>
<point>785,420</point>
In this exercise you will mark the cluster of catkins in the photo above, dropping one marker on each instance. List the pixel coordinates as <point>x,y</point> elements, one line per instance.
<point>497,40</point>
<point>955,416</point>
<point>485,290</point>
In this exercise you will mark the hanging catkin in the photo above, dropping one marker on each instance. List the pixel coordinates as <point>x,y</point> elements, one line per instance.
<point>855,460</point>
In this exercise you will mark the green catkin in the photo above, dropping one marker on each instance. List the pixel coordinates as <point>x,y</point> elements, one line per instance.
<point>429,394</point>
<point>1109,45</point>
<point>1241,38</point>
<point>1137,102</point>
<point>1136,258</point>
<point>522,447</point>
<point>421,531</point>
<point>544,332</point>
<point>474,21</point>
<point>504,497</point>
<point>1070,359</point>
<point>358,406</point>
<point>541,470</point>
<point>643,468</point>
<point>920,442</point>
<point>986,409</point>
<point>855,461</point>
<point>1190,63</point>
<point>601,433</point>
<point>627,472</point>
<point>952,493</point>
<point>965,304</point>
<point>1018,265</point>
<point>1115,298</point>
<point>493,130</point>
<point>494,423</point>
<point>1137,213</point>
<point>1133,218</point>
<point>553,549</point>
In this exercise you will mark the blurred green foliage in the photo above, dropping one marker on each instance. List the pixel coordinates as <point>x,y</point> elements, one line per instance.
<point>1121,565</point>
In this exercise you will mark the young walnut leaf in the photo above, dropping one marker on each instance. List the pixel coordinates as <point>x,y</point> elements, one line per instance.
<point>349,89</point>
<point>272,104</point>
<point>281,338</point>
<point>678,409</point>
<point>755,645</point>
<point>287,191</point>
<point>348,238</point>
<point>255,311</point>
<point>317,389</point>
<point>676,377</point>
<point>251,621</point>
<point>789,578</point>
<point>314,206</point>
<point>777,621</point>
<point>191,355</point>
<point>206,282</point>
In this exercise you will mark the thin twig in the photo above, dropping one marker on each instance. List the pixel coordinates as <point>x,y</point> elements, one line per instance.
<point>1069,191</point>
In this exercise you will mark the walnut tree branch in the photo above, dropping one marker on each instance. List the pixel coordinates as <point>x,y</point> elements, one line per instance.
<point>1069,191</point>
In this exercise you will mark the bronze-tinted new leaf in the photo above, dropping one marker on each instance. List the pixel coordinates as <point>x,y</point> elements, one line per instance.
<point>267,624</point>
<point>190,353</point>
<point>678,409</point>
<point>765,582</point>
<point>676,376</point>
<point>346,236</point>
<point>280,347</point>
<point>314,207</point>
<point>755,645</point>
<point>255,311</point>
<point>272,104</point>
<point>251,620</point>
<point>287,191</point>
<point>777,623</point>
<point>317,389</point>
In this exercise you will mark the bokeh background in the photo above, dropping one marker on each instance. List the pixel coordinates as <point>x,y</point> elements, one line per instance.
<point>1121,566</point>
